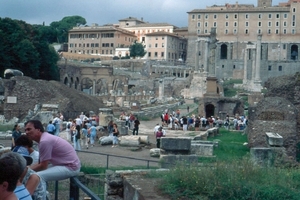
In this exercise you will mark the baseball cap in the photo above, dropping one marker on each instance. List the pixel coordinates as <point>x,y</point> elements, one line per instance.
<point>24,152</point>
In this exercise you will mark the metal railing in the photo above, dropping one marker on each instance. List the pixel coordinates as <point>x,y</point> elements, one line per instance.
<point>76,185</point>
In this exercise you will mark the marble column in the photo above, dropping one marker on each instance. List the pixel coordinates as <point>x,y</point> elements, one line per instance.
<point>94,88</point>
<point>253,64</point>
<point>245,65</point>
<point>258,58</point>
<point>197,56</point>
<point>206,57</point>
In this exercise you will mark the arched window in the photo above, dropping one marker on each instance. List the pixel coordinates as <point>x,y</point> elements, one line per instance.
<point>223,51</point>
<point>294,52</point>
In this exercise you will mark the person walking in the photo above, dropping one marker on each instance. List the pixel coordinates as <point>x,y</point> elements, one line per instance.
<point>158,135</point>
<point>51,128</point>
<point>136,126</point>
<point>93,132</point>
<point>115,135</point>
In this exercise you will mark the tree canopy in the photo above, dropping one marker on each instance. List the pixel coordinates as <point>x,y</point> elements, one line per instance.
<point>63,26</point>
<point>24,47</point>
<point>137,50</point>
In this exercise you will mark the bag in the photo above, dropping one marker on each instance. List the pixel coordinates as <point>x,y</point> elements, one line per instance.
<point>159,134</point>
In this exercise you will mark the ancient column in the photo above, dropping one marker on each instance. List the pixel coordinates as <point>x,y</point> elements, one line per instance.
<point>197,55</point>
<point>258,58</point>
<point>126,89</point>
<point>206,57</point>
<point>94,88</point>
<point>245,65</point>
<point>161,89</point>
<point>253,64</point>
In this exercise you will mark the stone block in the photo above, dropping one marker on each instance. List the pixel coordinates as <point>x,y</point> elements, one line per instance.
<point>176,144</point>
<point>170,161</point>
<point>261,156</point>
<point>202,149</point>
<point>155,152</point>
<point>274,139</point>
<point>214,143</point>
<point>212,132</point>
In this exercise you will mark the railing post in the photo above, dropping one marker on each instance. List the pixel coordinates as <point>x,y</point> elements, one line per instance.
<point>56,190</point>
<point>107,160</point>
<point>74,190</point>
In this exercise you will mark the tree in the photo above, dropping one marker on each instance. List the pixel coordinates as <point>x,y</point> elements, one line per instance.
<point>137,50</point>
<point>63,26</point>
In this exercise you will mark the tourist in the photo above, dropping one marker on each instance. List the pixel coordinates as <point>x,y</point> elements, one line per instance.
<point>166,118</point>
<point>78,123</point>
<point>178,113</point>
<point>197,123</point>
<point>115,135</point>
<point>51,128</point>
<point>93,132</point>
<point>86,135</point>
<point>10,173</point>
<point>76,138</point>
<point>188,109</point>
<point>136,126</point>
<point>110,127</point>
<point>58,159</point>
<point>170,122</point>
<point>158,136</point>
<point>35,185</point>
<point>156,128</point>
<point>57,122</point>
<point>126,120</point>
<point>131,121</point>
<point>227,122</point>
<point>68,129</point>
<point>15,135</point>
<point>26,142</point>
<point>184,123</point>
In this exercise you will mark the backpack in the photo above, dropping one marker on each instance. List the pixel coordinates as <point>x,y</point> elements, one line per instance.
<point>68,125</point>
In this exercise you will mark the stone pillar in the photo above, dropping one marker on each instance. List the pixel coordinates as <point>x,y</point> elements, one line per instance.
<point>161,89</point>
<point>126,89</point>
<point>197,56</point>
<point>258,58</point>
<point>109,88</point>
<point>206,56</point>
<point>184,73</point>
<point>94,88</point>
<point>253,64</point>
<point>245,65</point>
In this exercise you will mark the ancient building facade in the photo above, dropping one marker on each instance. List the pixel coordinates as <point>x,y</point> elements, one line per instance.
<point>251,42</point>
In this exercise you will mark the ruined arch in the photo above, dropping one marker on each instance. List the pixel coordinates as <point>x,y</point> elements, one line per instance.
<point>101,86</point>
<point>86,84</point>
<point>223,52</point>
<point>66,81</point>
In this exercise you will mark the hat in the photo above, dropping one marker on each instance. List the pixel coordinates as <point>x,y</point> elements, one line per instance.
<point>24,152</point>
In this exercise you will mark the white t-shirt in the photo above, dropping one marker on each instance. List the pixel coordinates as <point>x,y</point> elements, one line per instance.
<point>35,157</point>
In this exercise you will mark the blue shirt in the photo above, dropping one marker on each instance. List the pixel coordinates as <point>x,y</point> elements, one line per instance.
<point>22,193</point>
<point>50,128</point>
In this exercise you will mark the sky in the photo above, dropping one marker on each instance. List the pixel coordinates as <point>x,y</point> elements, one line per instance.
<point>108,11</point>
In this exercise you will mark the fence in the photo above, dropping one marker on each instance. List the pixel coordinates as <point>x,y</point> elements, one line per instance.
<point>77,189</point>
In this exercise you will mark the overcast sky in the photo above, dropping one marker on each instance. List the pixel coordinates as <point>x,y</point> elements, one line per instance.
<point>108,11</point>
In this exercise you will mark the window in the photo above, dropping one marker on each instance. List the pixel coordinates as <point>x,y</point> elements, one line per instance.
<point>193,16</point>
<point>269,67</point>
<point>285,15</point>
<point>199,16</point>
<point>259,24</point>
<point>205,31</point>
<point>235,24</point>
<point>162,54</point>
<point>198,24</point>
<point>198,31</point>
<point>277,24</point>
<point>270,16</point>
<point>277,16</point>
<point>215,16</point>
<point>163,38</point>
<point>294,10</point>
<point>269,24</point>
<point>259,16</point>
<point>226,31</point>
<point>284,46</point>
<point>162,44</point>
<point>246,16</point>
<point>235,16</point>
<point>226,16</point>
<point>235,31</point>
<point>233,66</point>
<point>206,16</point>
<point>284,31</point>
<point>156,45</point>
<point>215,24</point>
<point>284,24</point>
<point>277,31</point>
<point>246,24</point>
<point>111,44</point>
<point>246,31</point>
<point>155,54</point>
<point>280,68</point>
<point>226,23</point>
<point>269,31</point>
<point>87,45</point>
<point>259,31</point>
<point>206,24</point>
<point>293,31</point>
<point>149,54</point>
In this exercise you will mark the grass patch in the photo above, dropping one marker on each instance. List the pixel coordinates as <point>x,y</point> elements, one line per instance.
<point>6,127</point>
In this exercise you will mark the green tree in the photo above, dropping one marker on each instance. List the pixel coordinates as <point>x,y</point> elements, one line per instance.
<point>137,50</point>
<point>63,26</point>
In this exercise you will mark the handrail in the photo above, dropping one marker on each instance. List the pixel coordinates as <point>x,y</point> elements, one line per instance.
<point>75,184</point>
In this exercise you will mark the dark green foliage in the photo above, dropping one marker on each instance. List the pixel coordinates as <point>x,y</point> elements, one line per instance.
<point>25,48</point>
<point>137,50</point>
<point>63,26</point>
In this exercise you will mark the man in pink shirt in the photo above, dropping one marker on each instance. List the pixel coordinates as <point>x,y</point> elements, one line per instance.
<point>58,159</point>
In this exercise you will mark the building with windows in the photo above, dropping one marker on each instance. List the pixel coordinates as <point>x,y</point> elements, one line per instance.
<point>99,40</point>
<point>262,38</point>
